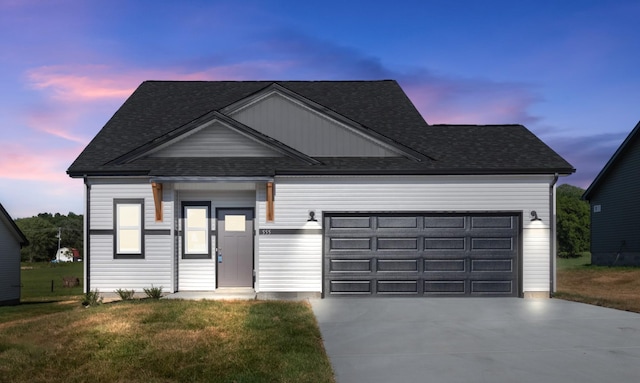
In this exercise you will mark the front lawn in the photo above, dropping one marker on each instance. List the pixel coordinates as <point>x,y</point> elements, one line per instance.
<point>163,341</point>
<point>615,287</point>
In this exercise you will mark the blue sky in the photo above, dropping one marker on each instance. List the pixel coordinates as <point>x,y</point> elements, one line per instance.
<point>568,70</point>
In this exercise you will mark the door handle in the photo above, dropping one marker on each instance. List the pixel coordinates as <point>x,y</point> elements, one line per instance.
<point>219,257</point>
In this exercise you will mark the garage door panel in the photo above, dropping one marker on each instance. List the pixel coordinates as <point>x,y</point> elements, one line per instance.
<point>350,287</point>
<point>397,222</point>
<point>350,244</point>
<point>489,287</point>
<point>424,254</point>
<point>440,222</point>
<point>350,266</point>
<point>397,287</point>
<point>492,265</point>
<point>445,287</point>
<point>492,222</point>
<point>350,222</point>
<point>397,243</point>
<point>444,265</point>
<point>397,265</point>
<point>444,243</point>
<point>492,244</point>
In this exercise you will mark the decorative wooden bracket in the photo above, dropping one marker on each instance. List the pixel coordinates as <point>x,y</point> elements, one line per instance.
<point>270,211</point>
<point>157,199</point>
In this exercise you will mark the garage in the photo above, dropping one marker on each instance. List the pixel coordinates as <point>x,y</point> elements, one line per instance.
<point>421,254</point>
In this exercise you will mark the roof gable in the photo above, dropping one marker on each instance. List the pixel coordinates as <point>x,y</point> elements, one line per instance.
<point>298,123</point>
<point>180,143</point>
<point>629,143</point>
<point>214,139</point>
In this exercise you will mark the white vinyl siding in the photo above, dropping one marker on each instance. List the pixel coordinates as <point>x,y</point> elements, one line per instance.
<point>308,131</point>
<point>157,268</point>
<point>108,274</point>
<point>293,262</point>
<point>296,196</point>
<point>290,263</point>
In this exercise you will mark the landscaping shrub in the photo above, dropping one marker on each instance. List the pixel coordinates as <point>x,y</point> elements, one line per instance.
<point>125,294</point>
<point>153,292</point>
<point>92,298</point>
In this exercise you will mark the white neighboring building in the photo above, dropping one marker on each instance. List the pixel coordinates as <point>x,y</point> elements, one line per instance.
<point>65,254</point>
<point>299,188</point>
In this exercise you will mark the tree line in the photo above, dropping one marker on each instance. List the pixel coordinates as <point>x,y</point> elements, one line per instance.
<point>573,221</point>
<point>42,232</point>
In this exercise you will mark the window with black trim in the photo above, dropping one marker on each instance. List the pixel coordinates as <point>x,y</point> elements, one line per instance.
<point>128,227</point>
<point>196,238</point>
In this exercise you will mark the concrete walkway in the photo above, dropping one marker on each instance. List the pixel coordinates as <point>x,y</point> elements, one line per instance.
<point>470,340</point>
<point>223,293</point>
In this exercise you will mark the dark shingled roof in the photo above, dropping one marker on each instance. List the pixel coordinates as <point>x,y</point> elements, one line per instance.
<point>626,146</point>
<point>158,108</point>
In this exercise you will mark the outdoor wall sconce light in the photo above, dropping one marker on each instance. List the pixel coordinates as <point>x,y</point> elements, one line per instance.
<point>312,216</point>
<point>534,216</point>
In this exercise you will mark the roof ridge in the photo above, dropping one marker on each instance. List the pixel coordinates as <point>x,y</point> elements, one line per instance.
<point>268,81</point>
<point>479,125</point>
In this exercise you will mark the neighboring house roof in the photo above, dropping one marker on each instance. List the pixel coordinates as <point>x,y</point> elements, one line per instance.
<point>159,111</point>
<point>11,225</point>
<point>626,145</point>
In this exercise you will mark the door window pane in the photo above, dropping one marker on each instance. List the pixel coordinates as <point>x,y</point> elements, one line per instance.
<point>234,222</point>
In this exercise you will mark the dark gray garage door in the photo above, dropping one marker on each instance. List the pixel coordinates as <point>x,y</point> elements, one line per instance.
<point>424,254</point>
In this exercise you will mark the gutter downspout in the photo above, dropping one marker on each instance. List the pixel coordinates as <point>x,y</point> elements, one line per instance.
<point>87,237</point>
<point>552,240</point>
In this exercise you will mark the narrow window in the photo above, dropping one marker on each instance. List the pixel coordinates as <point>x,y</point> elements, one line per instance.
<point>129,227</point>
<point>196,238</point>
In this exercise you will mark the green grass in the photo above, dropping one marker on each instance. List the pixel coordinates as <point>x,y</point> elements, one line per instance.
<point>36,281</point>
<point>573,263</point>
<point>164,341</point>
<point>33,309</point>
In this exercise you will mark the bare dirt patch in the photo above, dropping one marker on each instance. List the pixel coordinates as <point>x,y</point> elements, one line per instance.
<point>615,287</point>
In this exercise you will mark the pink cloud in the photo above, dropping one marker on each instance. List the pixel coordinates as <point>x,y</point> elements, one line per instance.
<point>459,101</point>
<point>91,83</point>
<point>58,122</point>
<point>20,162</point>
<point>71,94</point>
<point>79,85</point>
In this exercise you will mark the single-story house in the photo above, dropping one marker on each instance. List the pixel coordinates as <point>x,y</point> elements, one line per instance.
<point>11,240</point>
<point>314,188</point>
<point>614,197</point>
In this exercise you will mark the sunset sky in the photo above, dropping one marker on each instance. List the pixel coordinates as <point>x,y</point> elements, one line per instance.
<point>567,70</point>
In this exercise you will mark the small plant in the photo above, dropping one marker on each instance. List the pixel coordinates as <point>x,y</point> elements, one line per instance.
<point>92,298</point>
<point>153,292</point>
<point>125,294</point>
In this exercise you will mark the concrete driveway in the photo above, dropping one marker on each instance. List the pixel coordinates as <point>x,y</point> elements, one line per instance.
<point>478,340</point>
